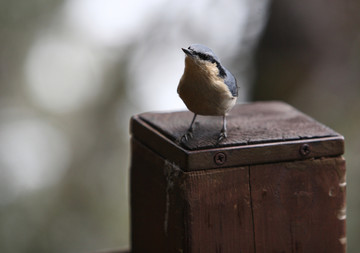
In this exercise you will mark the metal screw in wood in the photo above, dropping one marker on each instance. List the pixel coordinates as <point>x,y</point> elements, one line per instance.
<point>305,150</point>
<point>220,158</point>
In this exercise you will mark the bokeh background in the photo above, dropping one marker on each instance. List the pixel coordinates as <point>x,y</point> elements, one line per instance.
<point>72,72</point>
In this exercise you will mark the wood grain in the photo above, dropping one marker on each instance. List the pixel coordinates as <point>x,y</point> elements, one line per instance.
<point>219,215</point>
<point>260,122</point>
<point>262,132</point>
<point>203,211</point>
<point>299,206</point>
<point>268,195</point>
<point>151,206</point>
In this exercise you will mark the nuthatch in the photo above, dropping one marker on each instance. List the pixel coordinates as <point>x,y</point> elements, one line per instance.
<point>206,87</point>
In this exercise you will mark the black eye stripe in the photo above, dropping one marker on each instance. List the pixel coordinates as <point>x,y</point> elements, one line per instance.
<point>211,59</point>
<point>222,72</point>
<point>206,57</point>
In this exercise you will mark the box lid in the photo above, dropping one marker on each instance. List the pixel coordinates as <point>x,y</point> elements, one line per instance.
<point>258,132</point>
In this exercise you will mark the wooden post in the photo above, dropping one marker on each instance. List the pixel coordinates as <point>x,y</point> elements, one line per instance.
<point>276,184</point>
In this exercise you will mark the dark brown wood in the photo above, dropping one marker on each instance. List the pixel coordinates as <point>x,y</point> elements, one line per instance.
<point>192,209</point>
<point>218,213</point>
<point>160,131</point>
<point>278,187</point>
<point>299,206</point>
<point>261,122</point>
<point>157,209</point>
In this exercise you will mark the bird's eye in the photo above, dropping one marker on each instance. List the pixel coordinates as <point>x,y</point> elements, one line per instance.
<point>206,57</point>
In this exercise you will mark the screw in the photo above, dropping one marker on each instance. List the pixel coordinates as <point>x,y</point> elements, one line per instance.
<point>305,150</point>
<point>220,158</point>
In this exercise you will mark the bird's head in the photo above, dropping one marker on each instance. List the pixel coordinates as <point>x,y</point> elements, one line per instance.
<point>204,57</point>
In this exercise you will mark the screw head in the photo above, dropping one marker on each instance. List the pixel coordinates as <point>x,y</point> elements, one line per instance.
<point>305,150</point>
<point>220,158</point>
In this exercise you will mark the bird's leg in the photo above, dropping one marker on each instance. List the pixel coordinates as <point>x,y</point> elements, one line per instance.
<point>189,133</point>
<point>223,134</point>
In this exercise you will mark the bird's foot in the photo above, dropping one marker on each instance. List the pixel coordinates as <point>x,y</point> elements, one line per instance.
<point>187,136</point>
<point>222,136</point>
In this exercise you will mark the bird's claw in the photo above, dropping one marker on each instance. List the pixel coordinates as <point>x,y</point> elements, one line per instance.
<point>187,136</point>
<point>222,136</point>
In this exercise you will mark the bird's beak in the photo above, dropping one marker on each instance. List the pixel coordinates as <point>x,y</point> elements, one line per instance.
<point>187,51</point>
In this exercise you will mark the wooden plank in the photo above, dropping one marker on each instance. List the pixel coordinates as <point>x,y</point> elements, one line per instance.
<point>261,132</point>
<point>156,210</point>
<point>299,206</point>
<point>266,153</point>
<point>218,211</point>
<point>237,155</point>
<point>278,187</point>
<point>260,122</point>
<point>157,142</point>
<point>188,211</point>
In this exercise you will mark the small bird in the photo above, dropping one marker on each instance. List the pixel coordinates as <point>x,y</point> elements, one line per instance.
<point>206,87</point>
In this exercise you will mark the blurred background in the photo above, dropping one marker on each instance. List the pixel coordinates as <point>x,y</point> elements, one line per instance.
<point>73,72</point>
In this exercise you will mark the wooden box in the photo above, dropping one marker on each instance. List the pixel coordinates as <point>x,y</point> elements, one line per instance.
<point>276,184</point>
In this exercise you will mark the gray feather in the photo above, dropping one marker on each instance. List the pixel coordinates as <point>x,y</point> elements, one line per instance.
<point>203,49</point>
<point>231,82</point>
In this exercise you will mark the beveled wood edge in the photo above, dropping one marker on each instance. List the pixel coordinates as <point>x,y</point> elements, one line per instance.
<point>268,153</point>
<point>241,155</point>
<point>156,141</point>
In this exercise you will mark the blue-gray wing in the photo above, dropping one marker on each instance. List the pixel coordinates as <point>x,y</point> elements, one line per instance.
<point>231,82</point>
